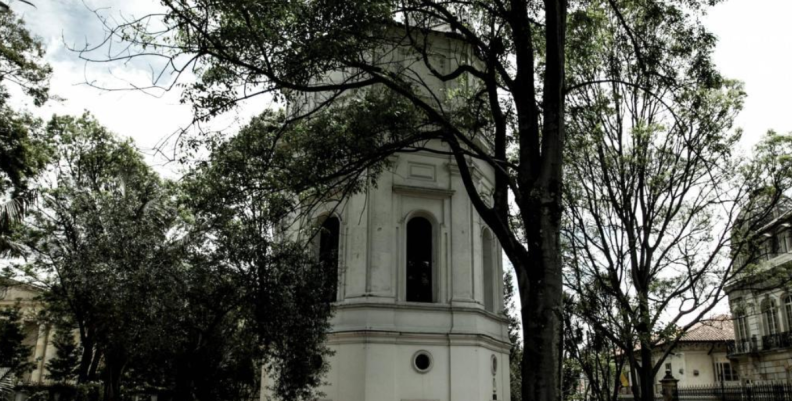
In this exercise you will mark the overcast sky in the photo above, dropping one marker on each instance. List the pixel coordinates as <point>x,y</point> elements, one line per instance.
<point>755,46</point>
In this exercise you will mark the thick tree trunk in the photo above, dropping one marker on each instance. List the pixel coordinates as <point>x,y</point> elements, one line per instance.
<point>92,372</point>
<point>541,290</point>
<point>84,368</point>
<point>647,374</point>
<point>541,315</point>
<point>111,378</point>
<point>183,389</point>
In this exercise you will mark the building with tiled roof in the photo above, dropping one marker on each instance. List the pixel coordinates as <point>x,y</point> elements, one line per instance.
<point>717,329</point>
<point>700,357</point>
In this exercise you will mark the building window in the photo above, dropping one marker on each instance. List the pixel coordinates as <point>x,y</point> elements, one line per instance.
<point>725,373</point>
<point>328,251</point>
<point>419,260</point>
<point>770,313</point>
<point>487,245</point>
<point>788,310</point>
<point>741,319</point>
<point>785,241</point>
<point>766,248</point>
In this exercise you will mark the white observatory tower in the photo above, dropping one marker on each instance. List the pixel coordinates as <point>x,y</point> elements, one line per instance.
<point>418,315</point>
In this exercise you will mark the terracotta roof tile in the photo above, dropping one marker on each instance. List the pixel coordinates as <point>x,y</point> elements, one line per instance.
<point>717,328</point>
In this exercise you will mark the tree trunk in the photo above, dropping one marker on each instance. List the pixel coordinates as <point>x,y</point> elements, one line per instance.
<point>183,388</point>
<point>647,374</point>
<point>84,368</point>
<point>111,377</point>
<point>97,357</point>
<point>541,289</point>
<point>541,314</point>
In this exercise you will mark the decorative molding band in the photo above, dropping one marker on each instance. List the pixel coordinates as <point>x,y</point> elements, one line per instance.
<point>423,192</point>
<point>418,339</point>
<point>420,306</point>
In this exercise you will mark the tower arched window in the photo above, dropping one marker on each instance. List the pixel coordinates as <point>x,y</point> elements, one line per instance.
<point>488,260</point>
<point>420,269</point>
<point>328,251</point>
<point>770,314</point>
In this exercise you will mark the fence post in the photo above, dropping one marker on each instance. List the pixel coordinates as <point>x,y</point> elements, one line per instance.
<point>670,389</point>
<point>722,388</point>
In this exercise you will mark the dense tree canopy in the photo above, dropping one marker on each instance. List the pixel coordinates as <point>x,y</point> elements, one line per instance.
<point>183,288</point>
<point>23,152</point>
<point>14,354</point>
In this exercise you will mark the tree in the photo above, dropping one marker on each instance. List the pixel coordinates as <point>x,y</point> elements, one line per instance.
<point>21,61</point>
<point>14,354</point>
<point>504,107</point>
<point>99,241</point>
<point>63,367</point>
<point>176,287</point>
<point>600,360</point>
<point>659,190</point>
<point>23,153</point>
<point>239,208</point>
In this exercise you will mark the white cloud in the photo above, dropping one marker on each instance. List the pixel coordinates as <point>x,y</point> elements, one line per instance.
<point>148,120</point>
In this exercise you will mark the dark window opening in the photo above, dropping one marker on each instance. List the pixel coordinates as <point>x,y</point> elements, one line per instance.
<point>328,253</point>
<point>419,260</point>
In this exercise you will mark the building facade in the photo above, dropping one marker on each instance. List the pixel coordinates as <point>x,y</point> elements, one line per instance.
<point>38,335</point>
<point>419,301</point>
<point>761,303</point>
<point>700,358</point>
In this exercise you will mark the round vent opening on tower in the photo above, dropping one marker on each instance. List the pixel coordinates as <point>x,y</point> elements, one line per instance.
<point>422,361</point>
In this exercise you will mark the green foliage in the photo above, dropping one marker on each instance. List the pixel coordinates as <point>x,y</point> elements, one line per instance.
<point>23,152</point>
<point>176,288</point>
<point>100,234</point>
<point>63,367</point>
<point>238,199</point>
<point>21,61</point>
<point>14,354</point>
<point>571,378</point>
<point>61,391</point>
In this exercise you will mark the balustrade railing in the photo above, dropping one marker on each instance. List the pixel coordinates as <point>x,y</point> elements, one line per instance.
<point>766,343</point>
